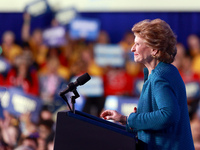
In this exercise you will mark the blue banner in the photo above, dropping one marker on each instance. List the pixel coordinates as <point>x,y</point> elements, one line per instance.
<point>4,65</point>
<point>122,104</point>
<point>2,93</point>
<point>64,16</point>
<point>193,89</point>
<point>109,55</point>
<point>16,102</point>
<point>93,88</point>
<point>54,36</point>
<point>38,7</point>
<point>1,112</point>
<point>84,28</point>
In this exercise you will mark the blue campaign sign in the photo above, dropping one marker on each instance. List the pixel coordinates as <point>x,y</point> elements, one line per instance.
<point>93,88</point>
<point>84,28</point>
<point>4,65</point>
<point>109,55</point>
<point>38,7</point>
<point>1,112</point>
<point>130,56</point>
<point>54,36</point>
<point>16,102</point>
<point>122,104</point>
<point>2,93</point>
<point>193,89</point>
<point>64,16</point>
<point>127,104</point>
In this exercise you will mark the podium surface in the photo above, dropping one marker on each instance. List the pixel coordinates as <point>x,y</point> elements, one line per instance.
<point>81,131</point>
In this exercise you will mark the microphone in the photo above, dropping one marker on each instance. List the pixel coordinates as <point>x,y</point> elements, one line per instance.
<point>80,81</point>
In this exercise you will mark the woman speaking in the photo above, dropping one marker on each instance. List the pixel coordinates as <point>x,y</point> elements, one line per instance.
<point>161,119</point>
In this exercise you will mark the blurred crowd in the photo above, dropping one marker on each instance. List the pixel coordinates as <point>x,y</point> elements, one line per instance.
<point>40,70</point>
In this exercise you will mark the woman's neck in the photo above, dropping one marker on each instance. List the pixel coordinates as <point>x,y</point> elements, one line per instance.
<point>152,65</point>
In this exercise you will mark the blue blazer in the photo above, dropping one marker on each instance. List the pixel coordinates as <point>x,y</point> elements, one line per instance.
<point>162,118</point>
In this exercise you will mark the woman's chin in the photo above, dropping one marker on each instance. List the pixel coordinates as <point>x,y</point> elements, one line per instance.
<point>136,60</point>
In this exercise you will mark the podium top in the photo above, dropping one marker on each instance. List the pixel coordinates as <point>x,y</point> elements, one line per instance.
<point>100,122</point>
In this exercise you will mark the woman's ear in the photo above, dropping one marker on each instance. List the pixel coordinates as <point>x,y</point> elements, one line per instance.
<point>154,52</point>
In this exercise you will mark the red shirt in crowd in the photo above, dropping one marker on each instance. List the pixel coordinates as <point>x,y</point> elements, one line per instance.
<point>29,84</point>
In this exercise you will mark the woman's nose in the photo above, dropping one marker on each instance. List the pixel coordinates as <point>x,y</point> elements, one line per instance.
<point>133,48</point>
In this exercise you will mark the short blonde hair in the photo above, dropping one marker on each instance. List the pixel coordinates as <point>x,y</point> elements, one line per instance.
<point>158,35</point>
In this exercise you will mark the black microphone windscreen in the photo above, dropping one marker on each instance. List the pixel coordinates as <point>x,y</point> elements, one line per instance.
<point>83,79</point>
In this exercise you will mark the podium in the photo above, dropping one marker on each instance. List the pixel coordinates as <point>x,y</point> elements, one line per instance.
<point>81,131</point>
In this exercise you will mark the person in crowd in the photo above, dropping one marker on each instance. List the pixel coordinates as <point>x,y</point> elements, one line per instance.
<point>10,48</point>
<point>21,75</point>
<point>181,53</point>
<point>87,55</point>
<point>50,80</point>
<point>103,38</point>
<point>193,42</point>
<point>30,142</point>
<point>27,126</point>
<point>195,124</point>
<point>195,127</point>
<point>50,141</point>
<point>10,131</point>
<point>161,120</point>
<point>45,129</point>
<point>127,41</point>
<point>45,113</point>
<point>35,40</point>
<point>77,68</point>
<point>65,56</point>
<point>183,62</point>
<point>117,82</point>
<point>23,147</point>
<point>55,53</point>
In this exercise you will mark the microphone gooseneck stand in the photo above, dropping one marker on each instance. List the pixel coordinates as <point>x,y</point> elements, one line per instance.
<point>72,88</point>
<point>73,100</point>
